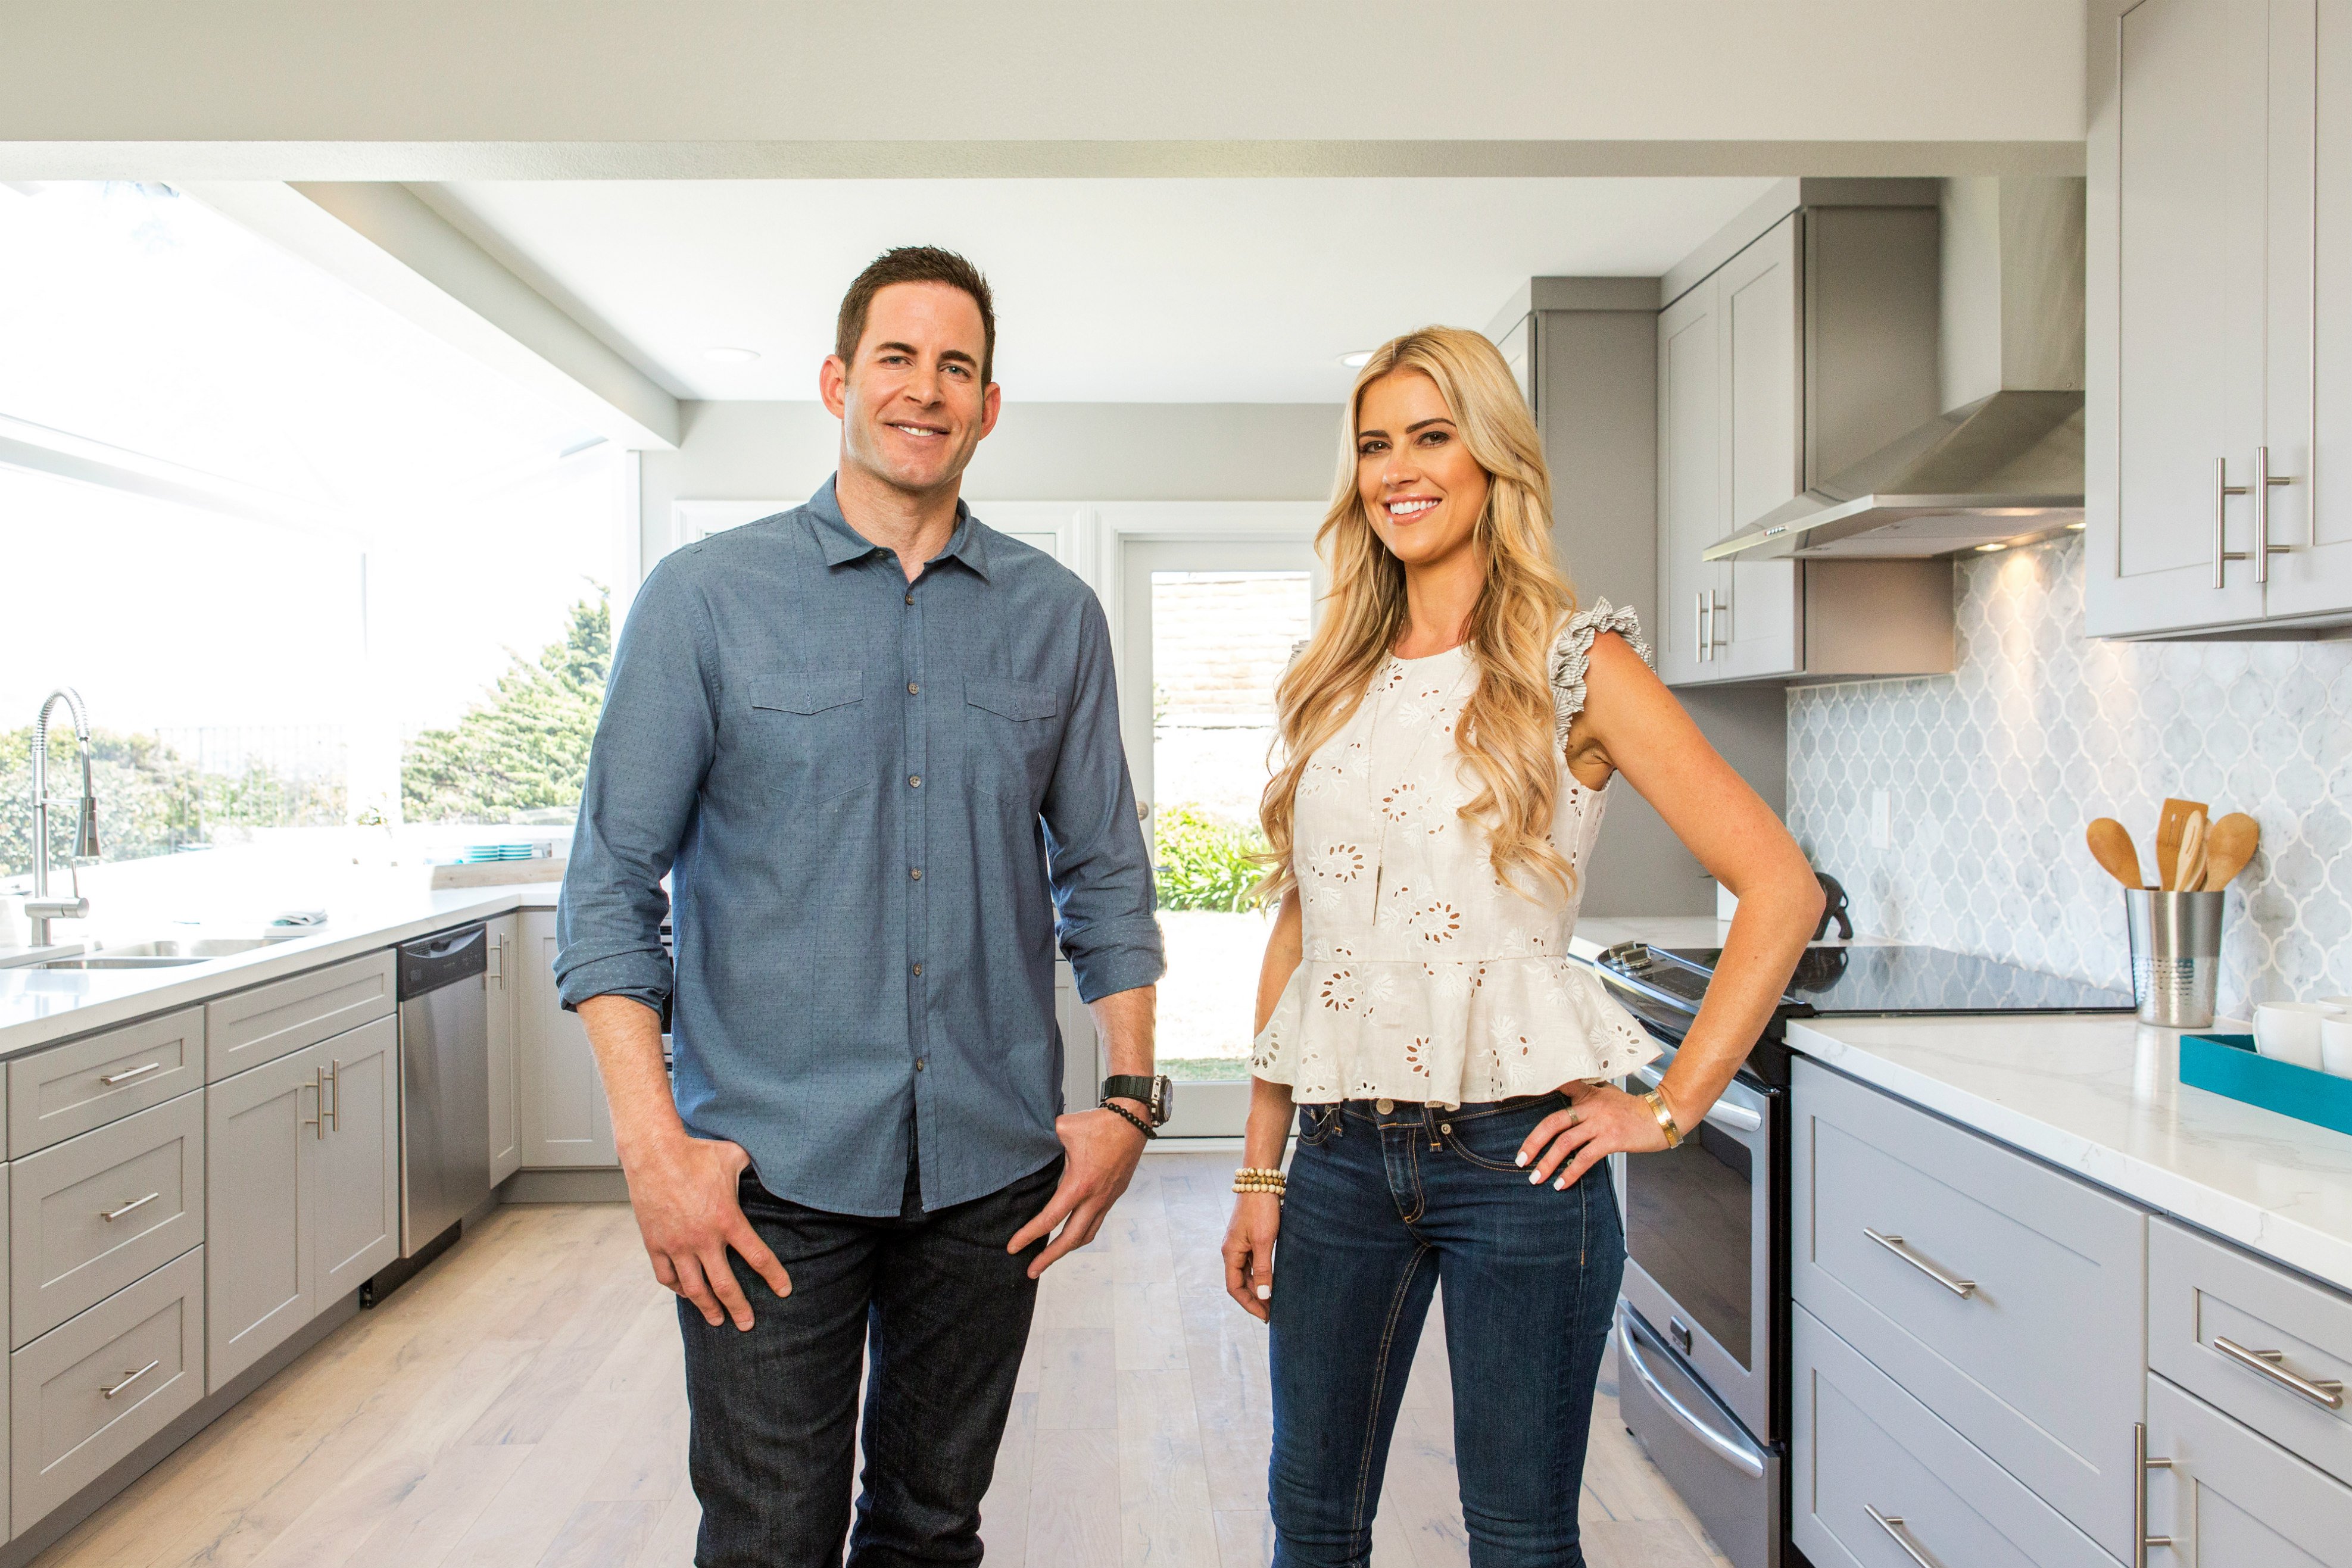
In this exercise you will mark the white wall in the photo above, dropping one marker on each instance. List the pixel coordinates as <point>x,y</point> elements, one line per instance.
<point>1039,452</point>
<point>438,89</point>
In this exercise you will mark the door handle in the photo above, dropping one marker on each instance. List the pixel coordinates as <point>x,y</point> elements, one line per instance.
<point>134,1377</point>
<point>1698,627</point>
<point>2265,482</point>
<point>1714,614</point>
<point>498,959</point>
<point>332,1115</point>
<point>2223,491</point>
<point>2325,1391</point>
<point>1723,1447</point>
<point>2141,1465</point>
<point>128,1073</point>
<point>1961,1288</point>
<point>1735,1118</point>
<point>1892,1524</point>
<point>317,1124</point>
<point>112,1215</point>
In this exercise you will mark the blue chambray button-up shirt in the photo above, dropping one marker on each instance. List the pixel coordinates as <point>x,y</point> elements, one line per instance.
<point>879,803</point>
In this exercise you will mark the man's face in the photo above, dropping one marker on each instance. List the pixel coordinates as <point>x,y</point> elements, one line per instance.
<point>910,403</point>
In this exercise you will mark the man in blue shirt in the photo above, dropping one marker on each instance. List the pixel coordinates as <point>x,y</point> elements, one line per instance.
<point>874,746</point>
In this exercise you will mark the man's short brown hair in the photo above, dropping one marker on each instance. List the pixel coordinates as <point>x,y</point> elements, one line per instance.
<point>914,263</point>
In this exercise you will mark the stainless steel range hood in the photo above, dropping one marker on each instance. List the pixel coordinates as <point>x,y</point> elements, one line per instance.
<point>2003,465</point>
<point>2001,470</point>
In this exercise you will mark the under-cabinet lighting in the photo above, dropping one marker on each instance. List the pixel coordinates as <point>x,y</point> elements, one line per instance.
<point>1990,548</point>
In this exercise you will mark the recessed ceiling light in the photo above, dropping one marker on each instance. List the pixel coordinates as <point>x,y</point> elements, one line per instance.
<point>1357,359</point>
<point>1988,550</point>
<point>731,356</point>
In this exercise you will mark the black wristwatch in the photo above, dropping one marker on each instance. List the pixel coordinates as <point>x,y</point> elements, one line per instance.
<point>1157,1093</point>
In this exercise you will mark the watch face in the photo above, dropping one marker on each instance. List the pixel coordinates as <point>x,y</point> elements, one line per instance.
<point>1164,1101</point>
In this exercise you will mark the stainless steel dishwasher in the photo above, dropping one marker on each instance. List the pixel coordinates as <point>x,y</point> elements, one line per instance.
<point>445,1082</point>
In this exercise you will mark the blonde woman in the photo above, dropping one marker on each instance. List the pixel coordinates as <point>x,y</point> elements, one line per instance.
<point>1448,739</point>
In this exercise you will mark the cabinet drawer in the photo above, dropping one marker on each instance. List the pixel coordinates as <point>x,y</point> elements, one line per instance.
<point>85,1395</point>
<point>1862,1444</point>
<point>2037,1361</point>
<point>102,1078</point>
<point>2204,1295</point>
<point>65,1254</point>
<point>2228,1496</point>
<point>266,1022</point>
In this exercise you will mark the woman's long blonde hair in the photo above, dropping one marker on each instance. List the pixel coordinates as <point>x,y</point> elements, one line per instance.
<point>1505,732</point>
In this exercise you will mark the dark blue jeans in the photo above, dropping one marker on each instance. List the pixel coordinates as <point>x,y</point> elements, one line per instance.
<point>1382,1207</point>
<point>940,1309</point>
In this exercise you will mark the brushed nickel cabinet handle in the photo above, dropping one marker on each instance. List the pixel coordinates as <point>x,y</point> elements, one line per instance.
<point>1698,627</point>
<point>112,1215</point>
<point>2223,491</point>
<point>2325,1391</point>
<point>134,1377</point>
<point>1714,614</point>
<point>1892,1524</point>
<point>317,1124</point>
<point>2141,1465</point>
<point>128,1073</point>
<point>1962,1288</point>
<point>334,1113</point>
<point>2265,482</point>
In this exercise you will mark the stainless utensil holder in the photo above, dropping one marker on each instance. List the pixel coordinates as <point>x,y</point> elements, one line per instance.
<point>2176,955</point>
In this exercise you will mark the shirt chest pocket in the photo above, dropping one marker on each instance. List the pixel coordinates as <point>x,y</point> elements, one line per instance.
<point>1012,731</point>
<point>808,733</point>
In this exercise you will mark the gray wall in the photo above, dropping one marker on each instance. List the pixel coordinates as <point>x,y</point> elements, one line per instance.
<point>1039,452</point>
<point>1599,412</point>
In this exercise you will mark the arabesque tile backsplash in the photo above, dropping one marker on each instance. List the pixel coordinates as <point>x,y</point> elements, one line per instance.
<point>1995,770</point>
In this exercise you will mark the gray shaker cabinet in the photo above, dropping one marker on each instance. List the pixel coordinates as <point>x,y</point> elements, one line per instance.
<point>502,987</point>
<point>1763,435</point>
<point>356,1158</point>
<point>1690,485</point>
<point>565,1120</point>
<point>2228,1498</point>
<point>259,1127</point>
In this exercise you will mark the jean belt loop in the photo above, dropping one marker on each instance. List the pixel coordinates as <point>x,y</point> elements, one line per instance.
<point>1429,1123</point>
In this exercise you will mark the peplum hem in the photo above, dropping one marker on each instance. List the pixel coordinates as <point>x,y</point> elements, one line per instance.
<point>1446,1032</point>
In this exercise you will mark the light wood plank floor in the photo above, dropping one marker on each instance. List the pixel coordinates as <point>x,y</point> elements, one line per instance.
<point>522,1403</point>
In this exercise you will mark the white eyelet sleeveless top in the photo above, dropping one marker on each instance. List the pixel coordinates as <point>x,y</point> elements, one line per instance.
<point>1425,977</point>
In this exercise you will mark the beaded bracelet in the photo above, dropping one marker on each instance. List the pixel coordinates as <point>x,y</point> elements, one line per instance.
<point>1248,1180</point>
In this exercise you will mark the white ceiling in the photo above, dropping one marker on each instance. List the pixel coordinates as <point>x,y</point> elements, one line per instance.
<point>1107,290</point>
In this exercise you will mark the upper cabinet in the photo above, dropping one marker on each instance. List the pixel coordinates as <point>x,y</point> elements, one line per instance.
<point>2219,328</point>
<point>1795,343</point>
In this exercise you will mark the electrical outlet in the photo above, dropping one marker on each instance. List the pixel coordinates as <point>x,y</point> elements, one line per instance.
<point>1882,819</point>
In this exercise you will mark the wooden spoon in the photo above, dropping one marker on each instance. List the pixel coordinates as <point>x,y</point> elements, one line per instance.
<point>2169,828</point>
<point>2191,875</point>
<point>2228,847</point>
<point>2111,847</point>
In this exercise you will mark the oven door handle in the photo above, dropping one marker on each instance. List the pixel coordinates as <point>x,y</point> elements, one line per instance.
<point>1734,1454</point>
<point>1723,1113</point>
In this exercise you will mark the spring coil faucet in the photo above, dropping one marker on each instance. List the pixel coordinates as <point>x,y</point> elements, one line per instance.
<point>40,909</point>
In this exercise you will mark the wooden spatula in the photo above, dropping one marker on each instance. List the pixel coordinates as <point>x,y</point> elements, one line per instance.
<point>2111,847</point>
<point>2228,847</point>
<point>2169,828</point>
<point>2191,873</point>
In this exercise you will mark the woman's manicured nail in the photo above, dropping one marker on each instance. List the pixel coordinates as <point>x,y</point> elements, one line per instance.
<point>1535,1178</point>
<point>1521,1157</point>
<point>1265,1292</point>
<point>1560,1186</point>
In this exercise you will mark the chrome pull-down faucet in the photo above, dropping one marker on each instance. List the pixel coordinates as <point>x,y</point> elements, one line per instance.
<point>40,909</point>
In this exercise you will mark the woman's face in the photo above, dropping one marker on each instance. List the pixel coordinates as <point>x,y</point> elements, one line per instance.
<point>1421,486</point>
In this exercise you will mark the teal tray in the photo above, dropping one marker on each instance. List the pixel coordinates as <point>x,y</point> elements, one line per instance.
<point>2228,1064</point>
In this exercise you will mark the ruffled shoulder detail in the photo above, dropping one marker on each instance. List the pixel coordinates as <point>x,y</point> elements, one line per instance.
<point>1571,655</point>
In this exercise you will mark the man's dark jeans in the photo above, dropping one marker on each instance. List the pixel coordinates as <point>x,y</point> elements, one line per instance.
<point>944,1311</point>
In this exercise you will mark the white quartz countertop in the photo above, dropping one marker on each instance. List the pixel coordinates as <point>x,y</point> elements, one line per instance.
<point>39,1007</point>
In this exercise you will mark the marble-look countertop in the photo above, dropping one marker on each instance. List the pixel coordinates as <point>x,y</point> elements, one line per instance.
<point>39,1007</point>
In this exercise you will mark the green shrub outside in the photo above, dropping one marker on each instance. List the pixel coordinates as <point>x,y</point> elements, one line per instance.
<point>1206,862</point>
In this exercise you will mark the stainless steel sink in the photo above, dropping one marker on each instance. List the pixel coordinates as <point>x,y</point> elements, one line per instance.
<point>166,953</point>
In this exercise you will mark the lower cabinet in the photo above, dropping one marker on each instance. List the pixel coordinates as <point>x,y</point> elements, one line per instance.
<point>303,1190</point>
<point>83,1395</point>
<point>1878,1479</point>
<point>2221,1496</point>
<point>502,990</point>
<point>565,1119</point>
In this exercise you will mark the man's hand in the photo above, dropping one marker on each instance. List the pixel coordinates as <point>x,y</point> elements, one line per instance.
<point>682,1189</point>
<point>1099,1149</point>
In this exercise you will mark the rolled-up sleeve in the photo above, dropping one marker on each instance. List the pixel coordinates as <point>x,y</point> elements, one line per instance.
<point>654,744</point>
<point>1096,857</point>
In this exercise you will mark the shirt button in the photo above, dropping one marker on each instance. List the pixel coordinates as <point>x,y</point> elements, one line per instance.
<point>922,1063</point>
<point>914,780</point>
<point>913,690</point>
<point>910,599</point>
<point>919,968</point>
<point>1385,1106</point>
<point>916,872</point>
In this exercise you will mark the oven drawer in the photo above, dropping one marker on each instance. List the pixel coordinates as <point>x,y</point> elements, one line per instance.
<point>2260,1343</point>
<point>1878,1480</point>
<point>2006,1297</point>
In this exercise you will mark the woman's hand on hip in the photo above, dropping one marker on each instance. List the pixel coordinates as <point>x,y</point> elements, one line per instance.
<point>1601,1120</point>
<point>1249,1251</point>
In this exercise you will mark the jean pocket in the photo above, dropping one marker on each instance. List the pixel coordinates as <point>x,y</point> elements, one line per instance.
<point>1317,1124</point>
<point>1492,1141</point>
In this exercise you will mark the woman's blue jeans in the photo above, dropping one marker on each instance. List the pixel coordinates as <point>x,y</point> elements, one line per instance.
<point>1382,1207</point>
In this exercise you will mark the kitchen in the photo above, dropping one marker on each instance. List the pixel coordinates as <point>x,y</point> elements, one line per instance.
<point>1961,441</point>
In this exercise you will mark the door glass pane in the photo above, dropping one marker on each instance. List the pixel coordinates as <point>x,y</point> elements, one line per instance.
<point>1690,1222</point>
<point>1220,641</point>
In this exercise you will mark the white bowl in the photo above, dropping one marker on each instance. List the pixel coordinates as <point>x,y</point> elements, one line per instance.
<point>2289,1031</point>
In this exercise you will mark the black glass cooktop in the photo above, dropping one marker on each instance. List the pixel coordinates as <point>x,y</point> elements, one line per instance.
<point>1881,979</point>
